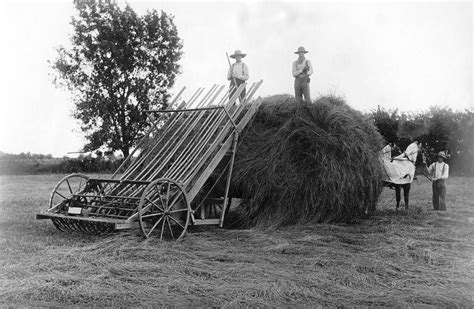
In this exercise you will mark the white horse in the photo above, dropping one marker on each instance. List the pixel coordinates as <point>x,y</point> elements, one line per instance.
<point>401,169</point>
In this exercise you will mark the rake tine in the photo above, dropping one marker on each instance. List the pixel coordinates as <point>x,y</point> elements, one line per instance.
<point>77,225</point>
<point>71,225</point>
<point>65,224</point>
<point>83,226</point>
<point>58,225</point>
<point>90,227</point>
<point>96,228</point>
<point>101,228</point>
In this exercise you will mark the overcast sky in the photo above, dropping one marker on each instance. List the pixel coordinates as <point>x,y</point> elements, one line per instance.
<point>403,55</point>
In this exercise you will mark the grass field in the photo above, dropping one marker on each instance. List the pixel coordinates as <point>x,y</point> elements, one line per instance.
<point>412,258</point>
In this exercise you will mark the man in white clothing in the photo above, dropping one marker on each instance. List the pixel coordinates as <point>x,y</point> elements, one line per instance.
<point>302,70</point>
<point>238,73</point>
<point>439,172</point>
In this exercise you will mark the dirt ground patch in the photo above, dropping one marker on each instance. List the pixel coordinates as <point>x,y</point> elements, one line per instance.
<point>413,258</point>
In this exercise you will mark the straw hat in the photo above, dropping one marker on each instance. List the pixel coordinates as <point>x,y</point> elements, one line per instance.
<point>301,50</point>
<point>238,53</point>
<point>443,155</point>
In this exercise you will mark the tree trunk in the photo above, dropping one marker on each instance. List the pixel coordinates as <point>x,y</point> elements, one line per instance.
<point>125,152</point>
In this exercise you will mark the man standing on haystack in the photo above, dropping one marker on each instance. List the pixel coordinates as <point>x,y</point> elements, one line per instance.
<point>439,172</point>
<point>238,73</point>
<point>302,70</point>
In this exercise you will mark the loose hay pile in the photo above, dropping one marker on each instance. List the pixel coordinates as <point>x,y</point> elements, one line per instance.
<point>307,163</point>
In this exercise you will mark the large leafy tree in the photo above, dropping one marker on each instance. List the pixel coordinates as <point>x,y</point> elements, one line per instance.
<point>119,65</point>
<point>387,123</point>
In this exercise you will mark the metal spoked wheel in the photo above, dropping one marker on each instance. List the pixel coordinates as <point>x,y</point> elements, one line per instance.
<point>63,192</point>
<point>164,210</point>
<point>66,187</point>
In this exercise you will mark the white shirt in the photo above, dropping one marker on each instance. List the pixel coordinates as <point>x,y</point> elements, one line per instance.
<point>439,170</point>
<point>239,71</point>
<point>298,67</point>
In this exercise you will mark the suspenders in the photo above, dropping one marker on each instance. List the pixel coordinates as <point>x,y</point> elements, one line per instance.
<point>442,170</point>
<point>235,64</point>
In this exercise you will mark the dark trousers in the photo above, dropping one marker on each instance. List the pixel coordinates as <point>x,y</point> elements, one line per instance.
<point>439,194</point>
<point>234,87</point>
<point>406,193</point>
<point>302,89</point>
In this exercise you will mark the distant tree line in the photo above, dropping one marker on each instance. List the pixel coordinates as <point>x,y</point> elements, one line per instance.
<point>27,164</point>
<point>438,129</point>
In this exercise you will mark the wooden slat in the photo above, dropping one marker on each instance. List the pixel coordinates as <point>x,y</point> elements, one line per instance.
<point>200,139</point>
<point>192,139</point>
<point>195,186</point>
<point>184,140</point>
<point>217,141</point>
<point>170,124</point>
<point>47,215</point>
<point>126,181</point>
<point>168,146</point>
<point>167,128</point>
<point>199,114</point>
<point>170,149</point>
<point>189,162</point>
<point>224,130</point>
<point>206,222</point>
<point>145,137</point>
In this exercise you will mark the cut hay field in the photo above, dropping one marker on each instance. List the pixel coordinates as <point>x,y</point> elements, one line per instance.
<point>400,259</point>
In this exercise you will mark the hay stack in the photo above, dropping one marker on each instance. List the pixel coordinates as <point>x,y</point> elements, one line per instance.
<point>307,163</point>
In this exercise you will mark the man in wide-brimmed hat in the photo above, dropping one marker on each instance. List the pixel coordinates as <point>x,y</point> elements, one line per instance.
<point>238,73</point>
<point>302,70</point>
<point>439,172</point>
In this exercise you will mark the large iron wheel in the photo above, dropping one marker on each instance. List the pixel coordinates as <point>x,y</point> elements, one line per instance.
<point>164,210</point>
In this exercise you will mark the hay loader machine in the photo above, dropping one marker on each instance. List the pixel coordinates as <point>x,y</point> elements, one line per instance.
<point>166,184</point>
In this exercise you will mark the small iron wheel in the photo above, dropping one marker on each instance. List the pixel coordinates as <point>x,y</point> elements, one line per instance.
<point>62,194</point>
<point>164,210</point>
<point>66,187</point>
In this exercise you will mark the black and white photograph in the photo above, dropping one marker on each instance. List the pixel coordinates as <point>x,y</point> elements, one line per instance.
<point>236,154</point>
